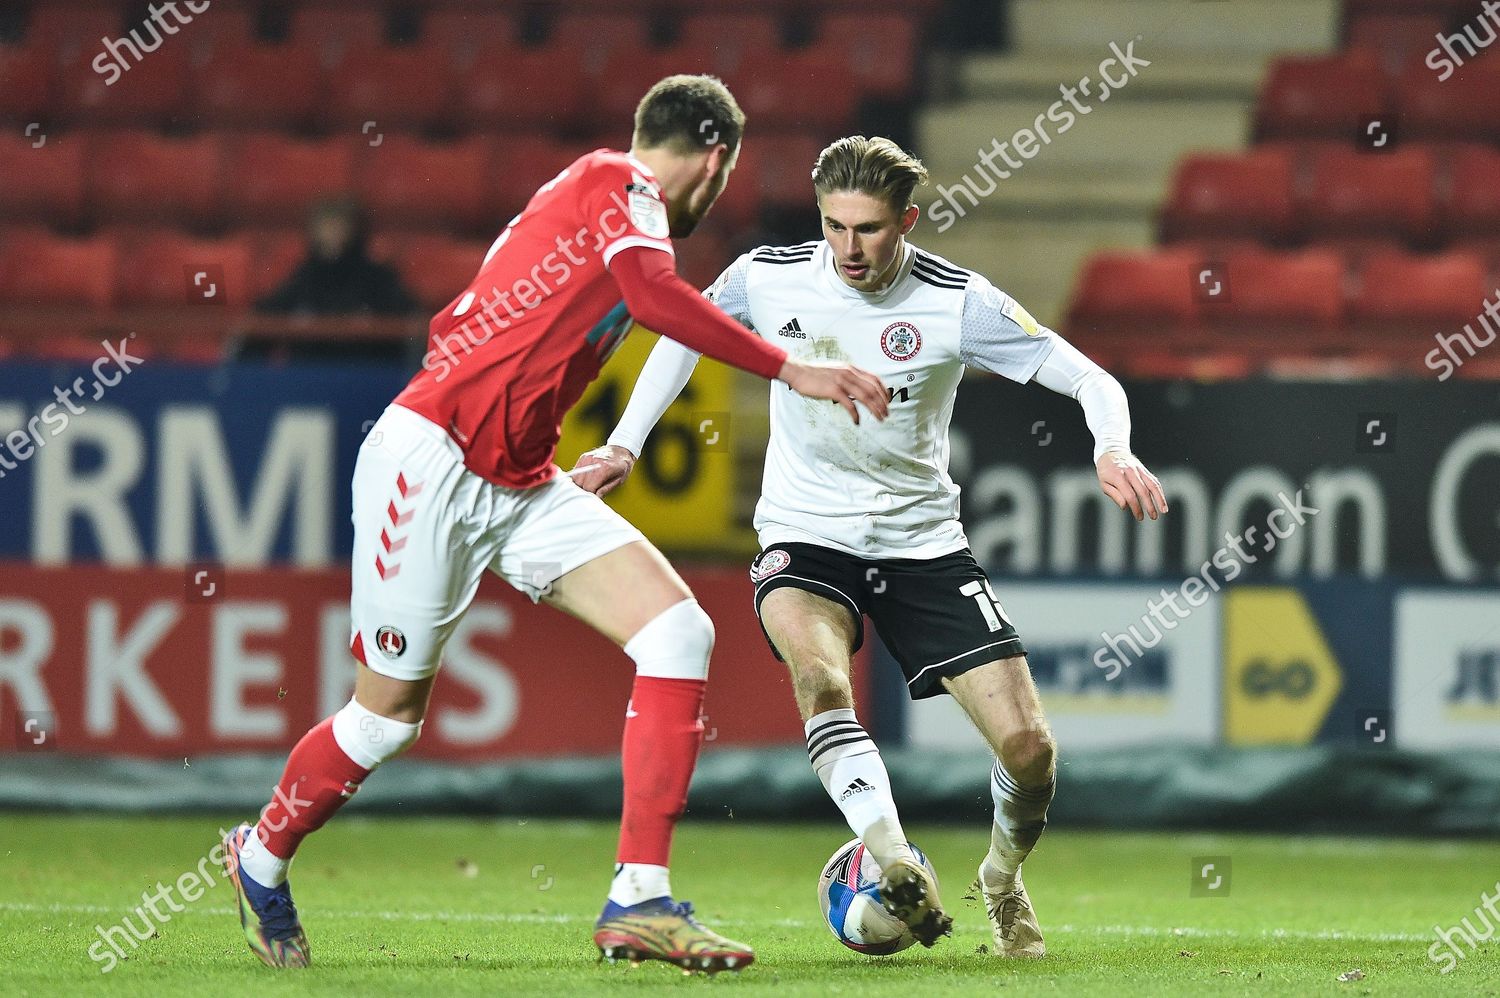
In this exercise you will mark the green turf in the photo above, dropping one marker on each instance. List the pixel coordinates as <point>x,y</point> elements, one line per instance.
<point>454,906</point>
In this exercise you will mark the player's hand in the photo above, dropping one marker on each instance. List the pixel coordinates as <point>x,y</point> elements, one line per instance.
<point>1125,479</point>
<point>602,468</point>
<point>843,383</point>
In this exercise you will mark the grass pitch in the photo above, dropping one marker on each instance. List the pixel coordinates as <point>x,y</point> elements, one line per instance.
<point>504,906</point>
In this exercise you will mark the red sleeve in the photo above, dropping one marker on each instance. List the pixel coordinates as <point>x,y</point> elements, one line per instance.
<point>664,303</point>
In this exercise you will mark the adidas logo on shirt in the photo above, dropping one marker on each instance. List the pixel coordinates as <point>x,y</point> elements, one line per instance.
<point>857,787</point>
<point>792,330</point>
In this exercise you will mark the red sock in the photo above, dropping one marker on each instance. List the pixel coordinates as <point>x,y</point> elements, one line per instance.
<point>663,732</point>
<point>318,779</point>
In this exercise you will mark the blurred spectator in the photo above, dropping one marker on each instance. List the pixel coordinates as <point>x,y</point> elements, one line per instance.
<point>338,277</point>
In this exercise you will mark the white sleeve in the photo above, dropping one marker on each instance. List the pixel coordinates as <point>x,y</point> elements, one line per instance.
<point>1068,372</point>
<point>997,335</point>
<point>671,364</point>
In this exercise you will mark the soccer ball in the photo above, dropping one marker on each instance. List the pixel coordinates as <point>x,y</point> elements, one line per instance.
<point>849,893</point>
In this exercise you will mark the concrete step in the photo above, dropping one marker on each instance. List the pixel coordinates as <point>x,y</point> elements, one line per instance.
<point>1037,75</point>
<point>1206,27</point>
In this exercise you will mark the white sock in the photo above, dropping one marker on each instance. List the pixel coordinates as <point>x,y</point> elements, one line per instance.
<point>1020,817</point>
<point>849,764</point>
<point>264,866</point>
<point>637,882</point>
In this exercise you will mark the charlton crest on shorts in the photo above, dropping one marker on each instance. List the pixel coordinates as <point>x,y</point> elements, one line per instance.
<point>390,641</point>
<point>769,564</point>
<point>901,341</point>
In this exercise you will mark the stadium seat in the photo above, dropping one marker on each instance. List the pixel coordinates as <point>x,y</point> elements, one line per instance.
<point>436,268</point>
<point>1321,96</point>
<point>1129,292</point>
<point>1395,38</point>
<point>474,38</point>
<point>272,179</point>
<point>583,42</point>
<point>225,28</point>
<point>393,87</point>
<point>42,183</point>
<point>878,51</point>
<point>167,268</point>
<point>1472,207</point>
<point>738,207</point>
<point>38,268</point>
<point>154,91</point>
<point>524,163</point>
<point>1360,195</point>
<point>625,78</point>
<point>408,181</point>
<point>1277,293</point>
<point>801,88</point>
<point>1419,294</point>
<point>725,38</point>
<point>143,176</point>
<point>1225,196</point>
<point>521,89</point>
<point>783,173</point>
<point>1464,107</point>
<point>277,86</point>
<point>335,29</point>
<point>66,29</point>
<point>26,77</point>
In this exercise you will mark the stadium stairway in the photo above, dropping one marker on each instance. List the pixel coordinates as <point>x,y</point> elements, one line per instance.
<point>1078,195</point>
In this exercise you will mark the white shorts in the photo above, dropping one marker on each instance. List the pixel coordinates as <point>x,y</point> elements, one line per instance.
<point>426,528</point>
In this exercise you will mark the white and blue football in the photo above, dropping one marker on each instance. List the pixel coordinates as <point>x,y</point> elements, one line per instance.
<point>849,893</point>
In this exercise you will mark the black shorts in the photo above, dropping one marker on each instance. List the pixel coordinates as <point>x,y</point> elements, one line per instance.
<point>937,616</point>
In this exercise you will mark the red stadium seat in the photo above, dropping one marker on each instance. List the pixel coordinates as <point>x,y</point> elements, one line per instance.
<point>1127,292</point>
<point>474,37</point>
<point>436,268</point>
<point>1473,203</point>
<point>1321,96</point>
<point>1219,196</point>
<point>222,27</point>
<point>726,38</point>
<point>41,269</point>
<point>521,89</point>
<point>739,206</point>
<point>26,76</point>
<point>162,268</point>
<point>1395,38</point>
<point>878,52</point>
<point>408,181</point>
<point>1420,294</point>
<point>273,179</point>
<point>1465,107</point>
<point>153,91</point>
<point>1362,195</point>
<point>801,88</point>
<point>338,28</point>
<point>625,78</point>
<point>65,29</point>
<point>1280,292</point>
<point>783,173</point>
<point>147,177</point>
<point>45,182</point>
<point>392,87</point>
<point>524,163</point>
<point>279,86</point>
<point>583,42</point>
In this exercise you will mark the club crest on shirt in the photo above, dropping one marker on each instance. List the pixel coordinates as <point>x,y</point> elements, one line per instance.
<point>901,341</point>
<point>768,564</point>
<point>647,210</point>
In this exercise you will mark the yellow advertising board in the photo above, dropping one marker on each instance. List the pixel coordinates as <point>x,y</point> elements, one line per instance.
<point>1280,676</point>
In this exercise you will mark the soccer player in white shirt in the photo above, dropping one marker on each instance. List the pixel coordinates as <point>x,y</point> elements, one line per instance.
<point>862,520</point>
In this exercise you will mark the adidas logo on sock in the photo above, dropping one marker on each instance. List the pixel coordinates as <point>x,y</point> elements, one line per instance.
<point>857,787</point>
<point>792,330</point>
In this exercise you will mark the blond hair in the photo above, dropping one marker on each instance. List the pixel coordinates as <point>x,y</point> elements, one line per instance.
<point>877,167</point>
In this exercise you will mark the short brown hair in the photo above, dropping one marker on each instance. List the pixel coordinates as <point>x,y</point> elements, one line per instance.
<point>877,167</point>
<point>688,113</point>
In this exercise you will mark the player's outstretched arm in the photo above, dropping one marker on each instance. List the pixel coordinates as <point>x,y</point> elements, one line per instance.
<point>658,299</point>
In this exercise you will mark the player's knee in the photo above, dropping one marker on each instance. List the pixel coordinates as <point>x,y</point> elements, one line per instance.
<point>675,644</point>
<point>1029,754</point>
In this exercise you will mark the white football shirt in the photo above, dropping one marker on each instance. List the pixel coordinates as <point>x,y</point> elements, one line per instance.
<point>877,490</point>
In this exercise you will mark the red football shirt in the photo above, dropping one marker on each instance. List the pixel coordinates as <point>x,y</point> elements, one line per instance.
<point>514,352</point>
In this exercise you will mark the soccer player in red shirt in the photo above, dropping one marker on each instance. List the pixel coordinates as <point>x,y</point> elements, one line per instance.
<point>458,477</point>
